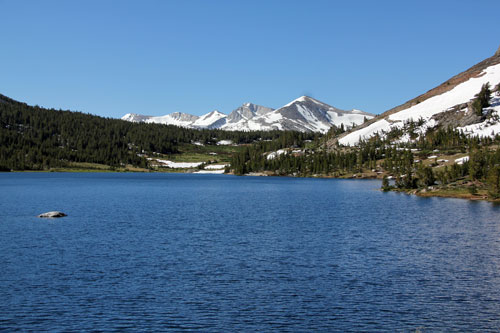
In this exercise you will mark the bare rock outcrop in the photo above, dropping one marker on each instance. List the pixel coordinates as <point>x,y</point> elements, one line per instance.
<point>52,214</point>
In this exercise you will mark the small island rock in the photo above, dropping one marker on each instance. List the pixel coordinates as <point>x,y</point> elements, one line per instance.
<point>53,214</point>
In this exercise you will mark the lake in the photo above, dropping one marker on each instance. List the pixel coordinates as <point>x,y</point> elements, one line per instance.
<point>146,252</point>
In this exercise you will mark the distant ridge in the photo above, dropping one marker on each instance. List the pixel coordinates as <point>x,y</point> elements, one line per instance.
<point>304,114</point>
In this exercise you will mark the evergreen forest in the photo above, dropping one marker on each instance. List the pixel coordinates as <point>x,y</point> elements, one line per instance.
<point>36,138</point>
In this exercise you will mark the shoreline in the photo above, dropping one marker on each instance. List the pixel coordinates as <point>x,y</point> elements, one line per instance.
<point>457,193</point>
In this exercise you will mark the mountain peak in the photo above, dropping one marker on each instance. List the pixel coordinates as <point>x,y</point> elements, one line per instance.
<point>247,111</point>
<point>497,53</point>
<point>212,114</point>
<point>304,99</point>
<point>134,117</point>
<point>215,112</point>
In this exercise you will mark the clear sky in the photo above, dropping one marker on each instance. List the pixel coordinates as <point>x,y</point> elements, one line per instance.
<point>156,57</point>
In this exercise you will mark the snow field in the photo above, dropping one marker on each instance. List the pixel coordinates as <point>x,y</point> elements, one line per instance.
<point>462,93</point>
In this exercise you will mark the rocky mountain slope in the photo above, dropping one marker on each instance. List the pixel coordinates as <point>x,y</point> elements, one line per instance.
<point>305,114</point>
<point>308,114</point>
<point>449,104</point>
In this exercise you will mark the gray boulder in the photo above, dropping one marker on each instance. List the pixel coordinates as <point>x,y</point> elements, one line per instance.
<point>52,214</point>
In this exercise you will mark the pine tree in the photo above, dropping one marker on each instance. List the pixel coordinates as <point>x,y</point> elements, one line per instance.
<point>385,184</point>
<point>425,176</point>
<point>482,99</point>
<point>493,181</point>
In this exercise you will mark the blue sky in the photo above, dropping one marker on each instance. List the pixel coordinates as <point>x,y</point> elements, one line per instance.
<point>156,57</point>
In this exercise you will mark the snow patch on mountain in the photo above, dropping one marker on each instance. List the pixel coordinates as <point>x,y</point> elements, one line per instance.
<point>208,119</point>
<point>462,93</point>
<point>134,117</point>
<point>489,127</point>
<point>176,118</point>
<point>224,143</point>
<point>275,154</point>
<point>462,160</point>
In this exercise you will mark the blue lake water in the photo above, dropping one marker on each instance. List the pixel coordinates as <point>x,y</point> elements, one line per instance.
<point>145,252</point>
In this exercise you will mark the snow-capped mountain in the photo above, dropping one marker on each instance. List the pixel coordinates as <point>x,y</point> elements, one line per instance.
<point>446,105</point>
<point>208,120</point>
<point>247,111</point>
<point>136,118</point>
<point>308,114</point>
<point>240,118</point>
<point>176,118</point>
<point>303,114</point>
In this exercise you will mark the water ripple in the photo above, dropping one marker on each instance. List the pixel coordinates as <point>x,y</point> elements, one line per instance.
<point>155,252</point>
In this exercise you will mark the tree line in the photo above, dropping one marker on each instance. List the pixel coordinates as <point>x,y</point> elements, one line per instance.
<point>36,138</point>
<point>403,160</point>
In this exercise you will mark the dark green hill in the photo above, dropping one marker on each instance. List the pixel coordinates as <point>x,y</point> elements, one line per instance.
<point>36,138</point>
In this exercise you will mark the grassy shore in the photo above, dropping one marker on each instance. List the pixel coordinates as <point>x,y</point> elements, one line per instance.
<point>90,167</point>
<point>461,191</point>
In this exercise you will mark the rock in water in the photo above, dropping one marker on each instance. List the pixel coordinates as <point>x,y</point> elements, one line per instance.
<point>53,214</point>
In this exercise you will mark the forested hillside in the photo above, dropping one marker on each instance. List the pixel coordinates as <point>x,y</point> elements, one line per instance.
<point>36,138</point>
<point>444,160</point>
